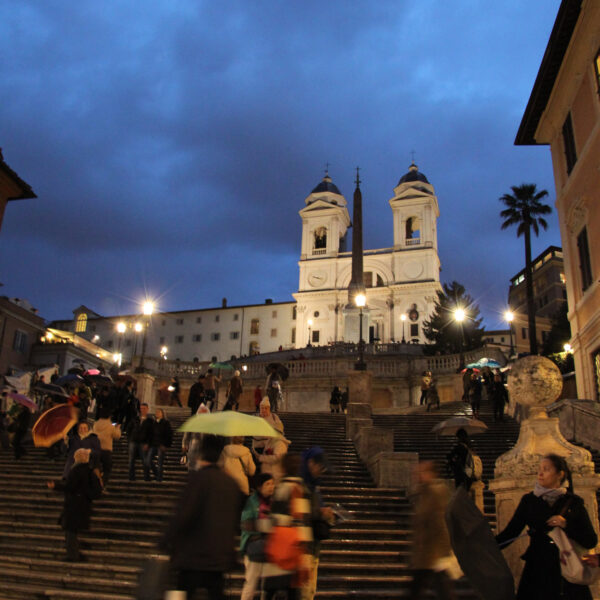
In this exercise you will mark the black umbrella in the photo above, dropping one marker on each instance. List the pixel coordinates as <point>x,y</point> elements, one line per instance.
<point>51,389</point>
<point>70,379</point>
<point>280,369</point>
<point>99,379</point>
<point>476,549</point>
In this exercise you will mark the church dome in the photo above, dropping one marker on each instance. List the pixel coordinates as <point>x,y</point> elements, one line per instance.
<point>413,175</point>
<point>326,185</point>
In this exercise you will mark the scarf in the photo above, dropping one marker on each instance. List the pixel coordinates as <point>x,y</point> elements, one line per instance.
<point>550,495</point>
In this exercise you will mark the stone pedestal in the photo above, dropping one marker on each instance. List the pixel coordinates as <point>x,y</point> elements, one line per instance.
<point>358,410</point>
<point>145,389</point>
<point>370,441</point>
<point>535,382</point>
<point>393,469</point>
<point>359,386</point>
<point>353,426</point>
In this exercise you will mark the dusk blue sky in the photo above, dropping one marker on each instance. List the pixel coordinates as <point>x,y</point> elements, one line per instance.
<point>172,144</point>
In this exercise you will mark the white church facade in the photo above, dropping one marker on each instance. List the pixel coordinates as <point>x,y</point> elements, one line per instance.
<point>401,284</point>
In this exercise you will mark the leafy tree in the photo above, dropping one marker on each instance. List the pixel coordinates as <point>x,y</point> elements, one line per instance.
<point>560,332</point>
<point>447,334</point>
<point>523,208</point>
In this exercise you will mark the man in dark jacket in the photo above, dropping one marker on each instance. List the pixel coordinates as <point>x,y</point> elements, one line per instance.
<point>201,535</point>
<point>81,487</point>
<point>139,436</point>
<point>162,438</point>
<point>196,395</point>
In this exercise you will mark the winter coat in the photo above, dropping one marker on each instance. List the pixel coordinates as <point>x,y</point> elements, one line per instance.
<point>92,442</point>
<point>275,422</point>
<point>430,535</point>
<point>162,434</point>
<point>81,487</point>
<point>201,535</point>
<point>106,433</point>
<point>252,513</point>
<point>541,576</point>
<point>270,460</point>
<point>236,461</point>
<point>235,387</point>
<point>140,432</point>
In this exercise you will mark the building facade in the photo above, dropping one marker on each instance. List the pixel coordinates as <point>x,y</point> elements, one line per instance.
<point>564,113</point>
<point>20,329</point>
<point>401,280</point>
<point>12,187</point>
<point>549,296</point>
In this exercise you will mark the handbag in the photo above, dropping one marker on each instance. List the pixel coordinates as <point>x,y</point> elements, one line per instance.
<point>571,567</point>
<point>284,548</point>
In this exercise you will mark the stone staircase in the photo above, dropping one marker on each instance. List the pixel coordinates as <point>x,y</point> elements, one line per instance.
<point>366,556</point>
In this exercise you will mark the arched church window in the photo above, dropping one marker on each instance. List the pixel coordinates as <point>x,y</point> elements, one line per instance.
<point>81,324</point>
<point>320,238</point>
<point>413,233</point>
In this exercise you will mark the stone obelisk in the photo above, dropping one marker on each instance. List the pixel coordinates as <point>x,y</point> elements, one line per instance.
<point>357,283</point>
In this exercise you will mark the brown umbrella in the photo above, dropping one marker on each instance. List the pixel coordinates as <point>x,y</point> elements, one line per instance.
<point>53,425</point>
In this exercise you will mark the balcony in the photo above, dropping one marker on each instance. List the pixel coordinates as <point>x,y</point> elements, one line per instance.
<point>413,242</point>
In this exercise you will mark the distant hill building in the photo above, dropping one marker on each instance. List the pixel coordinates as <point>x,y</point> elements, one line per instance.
<point>402,279</point>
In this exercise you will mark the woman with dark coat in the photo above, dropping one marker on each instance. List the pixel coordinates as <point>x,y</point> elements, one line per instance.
<point>81,487</point>
<point>549,505</point>
<point>162,438</point>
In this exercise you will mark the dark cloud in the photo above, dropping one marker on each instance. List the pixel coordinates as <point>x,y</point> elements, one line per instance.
<point>171,146</point>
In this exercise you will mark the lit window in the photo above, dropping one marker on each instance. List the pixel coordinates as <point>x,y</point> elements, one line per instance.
<point>597,70</point>
<point>81,324</point>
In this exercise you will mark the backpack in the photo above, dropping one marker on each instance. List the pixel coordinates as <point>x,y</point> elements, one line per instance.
<point>473,466</point>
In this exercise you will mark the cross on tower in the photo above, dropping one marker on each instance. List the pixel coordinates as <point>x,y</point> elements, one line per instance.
<point>327,169</point>
<point>412,154</point>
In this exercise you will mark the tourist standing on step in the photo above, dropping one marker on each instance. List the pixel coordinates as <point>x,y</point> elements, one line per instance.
<point>81,487</point>
<point>335,400</point>
<point>475,391</point>
<point>425,383</point>
<point>191,443</point>
<point>107,433</point>
<point>431,542</point>
<point>19,427</point>
<point>236,461</point>
<point>313,466</point>
<point>174,389</point>
<point>457,459</point>
<point>196,395</point>
<point>271,459</point>
<point>210,390</point>
<point>273,388</point>
<point>551,504</point>
<point>139,437</point>
<point>258,443</point>
<point>254,525</point>
<point>162,438</point>
<point>82,437</point>
<point>466,381</point>
<point>499,396</point>
<point>235,389</point>
<point>201,535</point>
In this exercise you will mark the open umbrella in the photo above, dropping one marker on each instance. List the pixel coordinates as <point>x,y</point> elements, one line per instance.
<point>229,424</point>
<point>280,369</point>
<point>51,389</point>
<point>70,379</point>
<point>53,425</point>
<point>484,362</point>
<point>221,365</point>
<point>452,425</point>
<point>92,372</point>
<point>99,379</point>
<point>474,369</point>
<point>23,400</point>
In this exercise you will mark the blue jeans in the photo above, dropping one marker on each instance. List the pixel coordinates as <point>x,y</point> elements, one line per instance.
<point>137,451</point>
<point>157,468</point>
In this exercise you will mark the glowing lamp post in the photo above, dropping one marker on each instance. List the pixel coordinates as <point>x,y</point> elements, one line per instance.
<point>360,300</point>
<point>509,317</point>
<point>403,319</point>
<point>163,352</point>
<point>147,309</point>
<point>310,324</point>
<point>459,317</point>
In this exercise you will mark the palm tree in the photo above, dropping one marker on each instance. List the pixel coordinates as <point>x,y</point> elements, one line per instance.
<point>524,208</point>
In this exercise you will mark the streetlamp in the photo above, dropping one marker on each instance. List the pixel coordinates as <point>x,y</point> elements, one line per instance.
<point>147,309</point>
<point>567,348</point>
<point>509,318</point>
<point>360,300</point>
<point>163,352</point>
<point>310,324</point>
<point>138,329</point>
<point>459,317</point>
<point>403,319</point>
<point>121,327</point>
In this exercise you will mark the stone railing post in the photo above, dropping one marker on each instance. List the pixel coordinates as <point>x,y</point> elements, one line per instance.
<point>535,382</point>
<point>358,415</point>
<point>145,389</point>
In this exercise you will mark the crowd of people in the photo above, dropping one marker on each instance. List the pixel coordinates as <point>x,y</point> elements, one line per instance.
<point>492,381</point>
